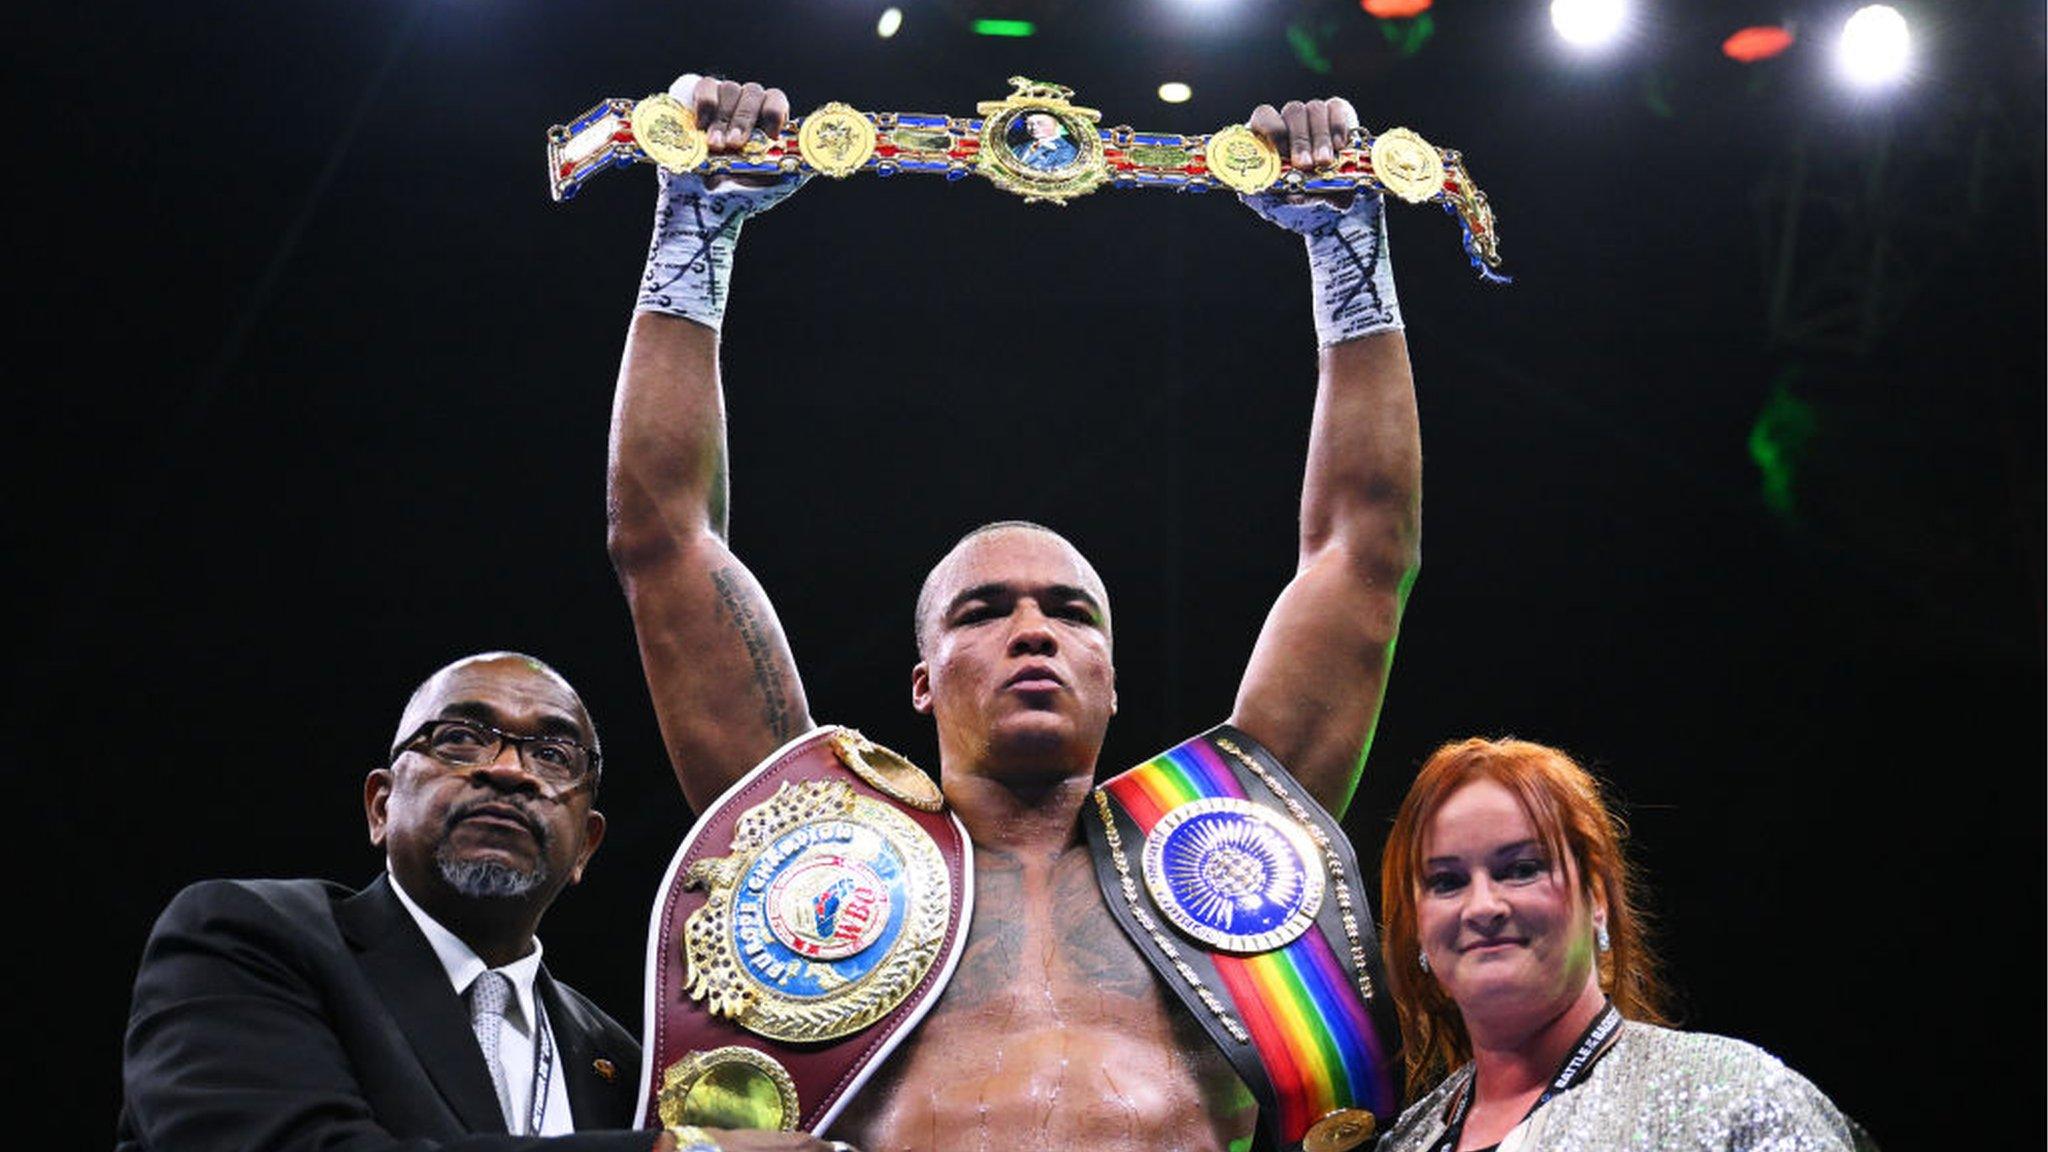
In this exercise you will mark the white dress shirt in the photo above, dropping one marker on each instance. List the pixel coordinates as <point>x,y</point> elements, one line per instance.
<point>516,1037</point>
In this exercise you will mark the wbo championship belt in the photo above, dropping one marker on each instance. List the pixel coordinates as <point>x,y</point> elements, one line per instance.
<point>805,925</point>
<point>1033,143</point>
<point>1239,889</point>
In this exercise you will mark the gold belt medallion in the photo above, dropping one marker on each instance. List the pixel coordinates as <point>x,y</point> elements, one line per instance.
<point>887,772</point>
<point>1407,165</point>
<point>836,140</point>
<point>730,1087</point>
<point>1340,1131</point>
<point>668,133</point>
<point>1037,145</point>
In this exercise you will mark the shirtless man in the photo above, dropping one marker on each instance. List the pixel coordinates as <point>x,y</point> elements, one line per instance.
<point>1053,1032</point>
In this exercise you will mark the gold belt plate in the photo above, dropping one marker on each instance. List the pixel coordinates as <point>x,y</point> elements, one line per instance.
<point>1407,166</point>
<point>668,133</point>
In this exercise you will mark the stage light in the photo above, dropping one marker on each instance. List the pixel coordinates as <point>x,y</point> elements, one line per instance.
<point>1395,9</point>
<point>1175,92</point>
<point>1588,23</point>
<point>891,20</point>
<point>1758,42</point>
<point>1875,46</point>
<point>1004,28</point>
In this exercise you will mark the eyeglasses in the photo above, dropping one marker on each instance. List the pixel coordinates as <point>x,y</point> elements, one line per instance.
<point>556,761</point>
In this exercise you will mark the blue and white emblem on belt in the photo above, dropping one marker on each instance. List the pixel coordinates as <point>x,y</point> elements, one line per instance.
<point>1233,875</point>
<point>812,907</point>
<point>828,911</point>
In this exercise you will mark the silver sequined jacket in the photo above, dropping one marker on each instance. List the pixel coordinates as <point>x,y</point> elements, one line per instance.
<point>1663,1090</point>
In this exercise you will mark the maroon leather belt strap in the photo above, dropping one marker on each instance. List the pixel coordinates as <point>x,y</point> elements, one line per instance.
<point>803,928</point>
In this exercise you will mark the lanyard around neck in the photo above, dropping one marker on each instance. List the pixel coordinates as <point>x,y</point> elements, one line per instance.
<point>1577,1066</point>
<point>543,1066</point>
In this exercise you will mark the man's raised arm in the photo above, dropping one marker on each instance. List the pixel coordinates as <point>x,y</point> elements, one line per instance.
<point>1313,689</point>
<point>724,684</point>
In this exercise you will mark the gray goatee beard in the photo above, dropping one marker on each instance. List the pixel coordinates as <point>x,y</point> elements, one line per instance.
<point>488,879</point>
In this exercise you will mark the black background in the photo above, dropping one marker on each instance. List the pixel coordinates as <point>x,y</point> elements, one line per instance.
<point>316,382</point>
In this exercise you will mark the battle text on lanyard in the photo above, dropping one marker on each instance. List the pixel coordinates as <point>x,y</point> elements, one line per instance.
<point>1587,1052</point>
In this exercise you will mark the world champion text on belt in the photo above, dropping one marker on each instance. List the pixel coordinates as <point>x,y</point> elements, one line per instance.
<point>830,907</point>
<point>1034,143</point>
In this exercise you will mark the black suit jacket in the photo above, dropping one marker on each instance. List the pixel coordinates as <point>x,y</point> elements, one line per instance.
<point>296,1014</point>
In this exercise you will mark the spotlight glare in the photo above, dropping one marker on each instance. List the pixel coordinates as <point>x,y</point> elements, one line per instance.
<point>1757,42</point>
<point>1014,28</point>
<point>1875,46</point>
<point>1588,23</point>
<point>891,20</point>
<point>1175,92</point>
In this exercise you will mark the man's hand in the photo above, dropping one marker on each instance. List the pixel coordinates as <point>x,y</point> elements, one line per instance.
<point>729,112</point>
<point>1308,134</point>
<point>697,224</point>
<point>1353,283</point>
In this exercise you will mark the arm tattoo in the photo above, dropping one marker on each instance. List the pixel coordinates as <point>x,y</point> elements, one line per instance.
<point>740,609</point>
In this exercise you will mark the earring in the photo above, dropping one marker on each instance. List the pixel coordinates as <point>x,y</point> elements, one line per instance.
<point>1422,958</point>
<point>1600,938</point>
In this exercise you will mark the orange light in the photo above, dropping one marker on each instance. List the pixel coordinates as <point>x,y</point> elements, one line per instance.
<point>1759,42</point>
<point>1395,9</point>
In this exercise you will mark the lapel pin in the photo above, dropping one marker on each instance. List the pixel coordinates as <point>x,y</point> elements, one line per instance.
<point>606,1070</point>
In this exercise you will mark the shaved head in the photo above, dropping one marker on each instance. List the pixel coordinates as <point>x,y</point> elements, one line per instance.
<point>929,597</point>
<point>425,698</point>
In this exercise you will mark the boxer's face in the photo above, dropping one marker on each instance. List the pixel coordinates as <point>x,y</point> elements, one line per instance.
<point>1018,664</point>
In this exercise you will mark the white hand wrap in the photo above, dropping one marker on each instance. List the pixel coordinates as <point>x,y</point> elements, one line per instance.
<point>1351,273</point>
<point>689,261</point>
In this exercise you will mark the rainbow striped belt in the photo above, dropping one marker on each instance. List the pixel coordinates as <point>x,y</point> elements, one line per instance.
<point>1243,894</point>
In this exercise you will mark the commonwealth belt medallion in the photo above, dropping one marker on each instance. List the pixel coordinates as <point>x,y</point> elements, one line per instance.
<point>1243,160</point>
<point>667,131</point>
<point>1407,164</point>
<point>836,140</point>
<point>1233,875</point>
<point>829,910</point>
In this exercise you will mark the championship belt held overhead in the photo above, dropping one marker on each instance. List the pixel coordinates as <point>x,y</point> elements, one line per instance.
<point>1033,143</point>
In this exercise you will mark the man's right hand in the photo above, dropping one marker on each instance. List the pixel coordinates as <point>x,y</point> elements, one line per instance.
<point>696,220</point>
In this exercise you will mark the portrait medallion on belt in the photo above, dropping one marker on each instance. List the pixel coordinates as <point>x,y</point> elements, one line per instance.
<point>1233,875</point>
<point>1037,145</point>
<point>828,911</point>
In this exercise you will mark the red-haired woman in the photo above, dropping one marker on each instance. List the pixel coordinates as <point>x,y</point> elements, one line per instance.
<point>1516,952</point>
